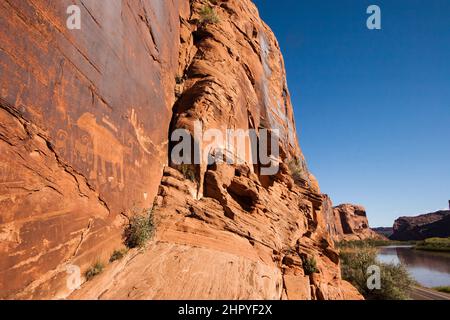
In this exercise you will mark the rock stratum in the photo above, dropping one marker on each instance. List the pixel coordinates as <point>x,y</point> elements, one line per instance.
<point>348,222</point>
<point>85,120</point>
<point>435,224</point>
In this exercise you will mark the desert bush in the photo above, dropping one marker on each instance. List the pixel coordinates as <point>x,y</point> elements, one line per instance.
<point>395,280</point>
<point>94,270</point>
<point>309,265</point>
<point>118,254</point>
<point>298,171</point>
<point>208,15</point>
<point>187,171</point>
<point>140,229</point>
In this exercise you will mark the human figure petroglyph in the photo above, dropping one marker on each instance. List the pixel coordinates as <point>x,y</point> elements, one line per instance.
<point>105,147</point>
<point>83,148</point>
<point>61,142</point>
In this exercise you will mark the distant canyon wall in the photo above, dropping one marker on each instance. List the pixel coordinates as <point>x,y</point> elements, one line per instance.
<point>435,224</point>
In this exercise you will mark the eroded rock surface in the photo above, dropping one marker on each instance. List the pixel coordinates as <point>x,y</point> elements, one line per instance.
<point>83,132</point>
<point>85,120</point>
<point>435,224</point>
<point>348,222</point>
<point>222,248</point>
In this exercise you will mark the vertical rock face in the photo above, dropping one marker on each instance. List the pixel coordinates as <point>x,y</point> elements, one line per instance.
<point>436,224</point>
<point>231,76</point>
<point>85,120</point>
<point>83,134</point>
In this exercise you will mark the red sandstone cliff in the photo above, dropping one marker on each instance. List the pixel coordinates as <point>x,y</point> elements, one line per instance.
<point>83,135</point>
<point>347,222</point>
<point>85,120</point>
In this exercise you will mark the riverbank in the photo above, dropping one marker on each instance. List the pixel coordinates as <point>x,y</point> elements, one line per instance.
<point>428,269</point>
<point>431,244</point>
<point>434,244</point>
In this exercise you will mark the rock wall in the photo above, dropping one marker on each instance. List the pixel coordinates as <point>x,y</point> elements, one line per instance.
<point>86,116</point>
<point>347,222</point>
<point>221,247</point>
<point>436,224</point>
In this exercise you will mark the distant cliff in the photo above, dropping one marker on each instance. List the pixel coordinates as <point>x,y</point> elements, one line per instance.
<point>435,224</point>
<point>348,222</point>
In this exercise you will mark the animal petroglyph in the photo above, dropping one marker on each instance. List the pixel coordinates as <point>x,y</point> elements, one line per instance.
<point>106,148</point>
<point>144,141</point>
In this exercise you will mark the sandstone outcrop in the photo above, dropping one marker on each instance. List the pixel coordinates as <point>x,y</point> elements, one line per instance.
<point>85,120</point>
<point>83,134</point>
<point>348,222</point>
<point>435,224</point>
<point>220,247</point>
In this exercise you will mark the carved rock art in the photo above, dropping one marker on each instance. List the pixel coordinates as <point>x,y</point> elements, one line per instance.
<point>105,148</point>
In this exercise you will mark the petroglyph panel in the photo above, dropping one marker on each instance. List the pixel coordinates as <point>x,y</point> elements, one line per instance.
<point>76,147</point>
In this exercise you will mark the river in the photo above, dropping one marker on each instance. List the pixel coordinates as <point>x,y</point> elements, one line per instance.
<point>430,269</point>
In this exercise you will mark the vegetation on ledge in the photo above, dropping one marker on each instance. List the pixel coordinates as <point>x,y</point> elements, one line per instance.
<point>118,255</point>
<point>94,270</point>
<point>309,265</point>
<point>140,230</point>
<point>188,171</point>
<point>298,171</point>
<point>208,16</point>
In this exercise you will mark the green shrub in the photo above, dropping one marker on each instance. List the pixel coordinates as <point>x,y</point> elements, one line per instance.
<point>395,280</point>
<point>208,16</point>
<point>94,270</point>
<point>443,289</point>
<point>309,265</point>
<point>187,171</point>
<point>117,255</point>
<point>140,230</point>
<point>298,171</point>
<point>434,244</point>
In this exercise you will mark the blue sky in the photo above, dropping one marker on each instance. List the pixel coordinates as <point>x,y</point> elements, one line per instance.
<point>372,106</point>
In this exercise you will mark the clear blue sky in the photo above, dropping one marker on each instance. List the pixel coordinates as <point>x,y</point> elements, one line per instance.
<point>372,107</point>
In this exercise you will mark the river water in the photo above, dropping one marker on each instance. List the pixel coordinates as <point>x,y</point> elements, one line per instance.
<point>430,269</point>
